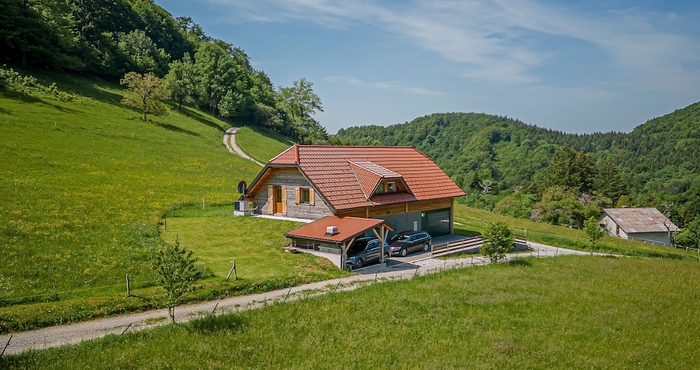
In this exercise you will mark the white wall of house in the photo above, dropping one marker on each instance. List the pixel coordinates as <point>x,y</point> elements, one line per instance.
<point>653,238</point>
<point>612,227</point>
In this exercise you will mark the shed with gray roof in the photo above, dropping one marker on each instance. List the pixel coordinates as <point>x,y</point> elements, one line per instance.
<point>643,224</point>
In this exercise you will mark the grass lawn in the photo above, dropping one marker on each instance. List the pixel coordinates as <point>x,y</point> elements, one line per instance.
<point>217,237</point>
<point>554,313</point>
<point>261,144</point>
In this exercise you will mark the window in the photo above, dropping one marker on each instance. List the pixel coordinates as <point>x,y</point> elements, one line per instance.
<point>390,186</point>
<point>304,196</point>
<point>380,188</point>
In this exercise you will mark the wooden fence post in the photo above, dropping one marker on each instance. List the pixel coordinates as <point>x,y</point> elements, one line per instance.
<point>233,270</point>
<point>128,286</point>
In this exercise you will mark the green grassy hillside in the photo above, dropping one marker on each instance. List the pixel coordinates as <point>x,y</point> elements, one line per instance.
<point>84,185</point>
<point>261,144</point>
<point>554,313</point>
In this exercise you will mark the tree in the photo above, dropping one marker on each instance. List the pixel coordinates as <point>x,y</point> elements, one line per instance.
<point>180,81</point>
<point>299,104</point>
<point>176,273</point>
<point>571,169</point>
<point>608,182</point>
<point>214,68</point>
<point>592,228</point>
<point>143,92</point>
<point>498,240</point>
<point>142,53</point>
<point>689,236</point>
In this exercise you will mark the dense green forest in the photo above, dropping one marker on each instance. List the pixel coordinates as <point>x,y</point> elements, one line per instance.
<point>526,171</point>
<point>110,38</point>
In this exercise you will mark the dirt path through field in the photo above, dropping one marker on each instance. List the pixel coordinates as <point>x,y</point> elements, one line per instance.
<point>75,333</point>
<point>230,144</point>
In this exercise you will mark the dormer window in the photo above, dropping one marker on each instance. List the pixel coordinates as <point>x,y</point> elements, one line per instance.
<point>380,188</point>
<point>390,186</point>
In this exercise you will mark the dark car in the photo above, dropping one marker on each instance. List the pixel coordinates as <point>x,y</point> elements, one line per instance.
<point>364,251</point>
<point>406,242</point>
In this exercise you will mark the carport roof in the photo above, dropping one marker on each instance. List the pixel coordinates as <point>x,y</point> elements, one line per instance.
<point>348,228</point>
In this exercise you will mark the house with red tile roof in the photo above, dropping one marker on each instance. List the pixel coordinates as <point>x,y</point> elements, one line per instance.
<point>643,224</point>
<point>399,185</point>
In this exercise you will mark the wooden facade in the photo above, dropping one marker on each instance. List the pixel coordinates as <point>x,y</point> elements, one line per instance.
<point>292,185</point>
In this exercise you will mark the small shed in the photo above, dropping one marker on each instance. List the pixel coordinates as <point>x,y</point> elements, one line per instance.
<point>643,224</point>
<point>331,236</point>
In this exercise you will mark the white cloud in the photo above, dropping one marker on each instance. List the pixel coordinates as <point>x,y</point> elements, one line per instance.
<point>493,40</point>
<point>381,85</point>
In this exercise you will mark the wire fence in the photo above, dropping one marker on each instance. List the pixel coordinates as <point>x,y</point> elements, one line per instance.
<point>58,295</point>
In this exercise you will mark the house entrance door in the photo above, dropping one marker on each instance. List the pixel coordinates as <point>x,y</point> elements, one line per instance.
<point>279,201</point>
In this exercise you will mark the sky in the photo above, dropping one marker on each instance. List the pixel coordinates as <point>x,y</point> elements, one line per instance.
<point>574,66</point>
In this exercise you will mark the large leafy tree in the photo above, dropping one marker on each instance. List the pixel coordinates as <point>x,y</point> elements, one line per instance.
<point>144,92</point>
<point>141,53</point>
<point>181,81</point>
<point>300,103</point>
<point>176,272</point>
<point>214,67</point>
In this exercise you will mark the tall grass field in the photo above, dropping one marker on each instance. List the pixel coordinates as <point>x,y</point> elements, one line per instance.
<point>573,312</point>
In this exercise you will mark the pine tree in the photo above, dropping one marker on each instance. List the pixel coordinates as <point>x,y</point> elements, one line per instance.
<point>608,183</point>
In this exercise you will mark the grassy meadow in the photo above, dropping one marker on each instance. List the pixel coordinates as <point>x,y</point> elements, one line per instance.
<point>84,184</point>
<point>261,144</point>
<point>469,221</point>
<point>554,313</point>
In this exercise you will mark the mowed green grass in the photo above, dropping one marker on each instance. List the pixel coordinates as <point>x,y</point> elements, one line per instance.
<point>217,238</point>
<point>554,313</point>
<point>261,144</point>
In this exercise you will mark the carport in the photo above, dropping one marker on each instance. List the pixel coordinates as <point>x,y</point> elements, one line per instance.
<point>331,236</point>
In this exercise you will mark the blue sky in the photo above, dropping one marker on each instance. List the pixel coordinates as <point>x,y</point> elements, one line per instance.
<point>575,66</point>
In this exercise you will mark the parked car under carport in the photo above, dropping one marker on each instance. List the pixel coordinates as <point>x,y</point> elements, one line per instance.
<point>364,251</point>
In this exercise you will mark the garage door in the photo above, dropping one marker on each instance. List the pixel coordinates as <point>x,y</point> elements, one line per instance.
<point>437,222</point>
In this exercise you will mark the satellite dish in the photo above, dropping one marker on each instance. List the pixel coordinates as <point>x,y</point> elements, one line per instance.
<point>242,187</point>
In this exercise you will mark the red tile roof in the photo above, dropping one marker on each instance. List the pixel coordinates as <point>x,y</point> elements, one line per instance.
<point>348,227</point>
<point>329,170</point>
<point>367,180</point>
<point>640,220</point>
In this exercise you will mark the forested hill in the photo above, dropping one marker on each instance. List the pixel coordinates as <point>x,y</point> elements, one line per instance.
<point>112,38</point>
<point>661,156</point>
